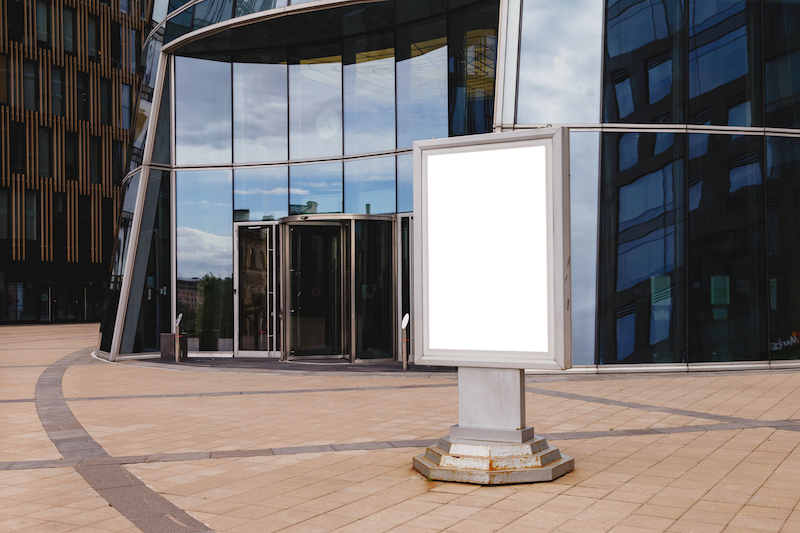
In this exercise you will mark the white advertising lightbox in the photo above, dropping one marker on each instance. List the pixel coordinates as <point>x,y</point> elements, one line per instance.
<point>491,254</point>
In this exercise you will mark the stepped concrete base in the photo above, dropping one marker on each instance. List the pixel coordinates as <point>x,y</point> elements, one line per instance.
<point>488,463</point>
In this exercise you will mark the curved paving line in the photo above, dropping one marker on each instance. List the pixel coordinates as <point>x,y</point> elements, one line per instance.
<point>149,511</point>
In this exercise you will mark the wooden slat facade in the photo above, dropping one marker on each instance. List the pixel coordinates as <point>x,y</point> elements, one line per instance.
<point>22,173</point>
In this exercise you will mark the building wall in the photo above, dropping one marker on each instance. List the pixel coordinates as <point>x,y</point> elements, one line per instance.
<point>68,76</point>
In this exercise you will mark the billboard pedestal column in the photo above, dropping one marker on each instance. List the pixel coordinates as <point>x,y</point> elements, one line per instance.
<point>491,444</point>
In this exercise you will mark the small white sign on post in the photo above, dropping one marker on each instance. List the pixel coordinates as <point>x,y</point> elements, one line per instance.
<point>491,262</point>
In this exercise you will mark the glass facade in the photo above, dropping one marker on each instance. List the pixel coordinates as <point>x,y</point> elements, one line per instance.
<point>683,208</point>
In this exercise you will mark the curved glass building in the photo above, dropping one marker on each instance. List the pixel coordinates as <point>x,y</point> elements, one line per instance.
<point>269,199</point>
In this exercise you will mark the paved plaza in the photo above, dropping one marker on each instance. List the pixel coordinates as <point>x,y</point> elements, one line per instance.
<point>92,446</point>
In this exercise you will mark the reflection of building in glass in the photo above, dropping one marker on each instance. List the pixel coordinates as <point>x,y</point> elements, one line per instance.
<point>273,170</point>
<point>68,75</point>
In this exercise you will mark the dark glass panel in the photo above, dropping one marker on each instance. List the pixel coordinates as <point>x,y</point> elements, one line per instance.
<point>315,305</point>
<point>204,214</point>
<point>3,79</point>
<point>31,215</point>
<point>30,84</point>
<point>149,304</point>
<point>125,106</point>
<point>369,99</point>
<point>258,289</point>
<point>57,91</point>
<point>105,102</point>
<point>246,7</point>
<point>406,231</point>
<point>260,115</point>
<point>162,144</point>
<point>782,63</point>
<point>644,63</point>
<point>726,250</point>
<point>134,49</point>
<point>71,155</point>
<point>373,290</point>
<point>641,288</point>
<point>584,183</point>
<point>405,183</point>
<point>130,190</point>
<point>260,193</point>
<point>115,36</point>
<point>202,111</point>
<point>315,188</point>
<point>95,158</point>
<point>140,123</point>
<point>210,12</point>
<point>559,62</point>
<point>82,96</point>
<point>84,229</point>
<point>4,213</point>
<point>117,158</point>
<point>17,149</point>
<point>93,37</point>
<point>472,47</point>
<point>421,70</point>
<point>315,102</point>
<point>179,25</point>
<point>43,21</point>
<point>69,30</point>
<point>783,246</point>
<point>724,63</point>
<point>45,152</point>
<point>16,20</point>
<point>369,186</point>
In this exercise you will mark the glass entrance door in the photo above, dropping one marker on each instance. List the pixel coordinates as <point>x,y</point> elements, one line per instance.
<point>257,292</point>
<point>316,286</point>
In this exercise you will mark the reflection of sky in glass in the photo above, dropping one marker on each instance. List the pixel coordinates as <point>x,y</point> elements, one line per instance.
<point>584,175</point>
<point>315,109</point>
<point>422,88</point>
<point>636,26</point>
<point>315,188</point>
<point>560,59</point>
<point>405,183</point>
<point>202,111</point>
<point>264,192</point>
<point>369,186</point>
<point>259,113</point>
<point>369,105</point>
<point>204,215</point>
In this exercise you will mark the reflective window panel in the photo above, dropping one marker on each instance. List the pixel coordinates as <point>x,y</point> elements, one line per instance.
<point>260,193</point>
<point>726,250</point>
<point>202,111</point>
<point>369,186</point>
<point>783,246</point>
<point>644,65</point>
<point>149,301</point>
<point>130,190</point>
<point>315,102</point>
<point>315,188</point>
<point>559,62</point>
<point>260,118</point>
<point>258,288</point>
<point>405,183</point>
<point>584,164</point>
<point>246,7</point>
<point>641,301</point>
<point>369,95</point>
<point>373,290</point>
<point>210,12</point>
<point>204,284</point>
<point>782,63</point>
<point>422,71</point>
<point>472,63</point>
<point>724,63</point>
<point>162,146</point>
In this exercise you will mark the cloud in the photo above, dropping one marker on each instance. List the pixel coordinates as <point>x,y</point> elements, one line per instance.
<point>200,253</point>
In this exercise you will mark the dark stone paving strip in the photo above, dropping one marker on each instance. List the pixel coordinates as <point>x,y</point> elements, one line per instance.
<point>249,393</point>
<point>21,400</point>
<point>23,366</point>
<point>146,509</point>
<point>634,405</point>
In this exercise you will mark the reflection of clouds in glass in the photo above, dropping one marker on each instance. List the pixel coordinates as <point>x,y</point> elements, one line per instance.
<point>422,97</point>
<point>370,182</point>
<point>259,112</point>
<point>313,89</point>
<point>560,57</point>
<point>321,183</point>
<point>271,192</point>
<point>584,170</point>
<point>201,253</point>
<point>203,111</point>
<point>369,103</point>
